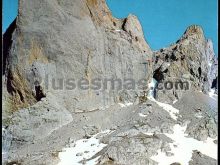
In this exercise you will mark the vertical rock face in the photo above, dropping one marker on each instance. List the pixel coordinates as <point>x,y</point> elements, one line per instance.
<point>68,40</point>
<point>190,60</point>
<point>56,44</point>
<point>62,57</point>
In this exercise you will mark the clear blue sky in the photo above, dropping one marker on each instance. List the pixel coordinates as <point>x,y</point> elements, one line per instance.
<point>10,10</point>
<point>163,21</point>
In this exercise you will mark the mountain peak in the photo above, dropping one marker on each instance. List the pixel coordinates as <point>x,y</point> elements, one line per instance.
<point>194,31</point>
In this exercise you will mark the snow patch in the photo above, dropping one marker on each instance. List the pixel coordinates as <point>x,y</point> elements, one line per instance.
<point>175,101</point>
<point>184,147</point>
<point>125,104</point>
<point>148,133</point>
<point>151,87</point>
<point>81,150</point>
<point>212,94</point>
<point>169,108</point>
<point>198,116</point>
<point>142,115</point>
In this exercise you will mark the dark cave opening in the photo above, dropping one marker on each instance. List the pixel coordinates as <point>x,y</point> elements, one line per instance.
<point>215,83</point>
<point>158,75</point>
<point>39,93</point>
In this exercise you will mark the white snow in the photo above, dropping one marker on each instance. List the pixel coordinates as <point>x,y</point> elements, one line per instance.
<point>169,108</point>
<point>128,104</point>
<point>82,149</point>
<point>175,101</point>
<point>142,115</point>
<point>212,94</point>
<point>125,104</point>
<point>151,87</point>
<point>152,83</point>
<point>122,105</point>
<point>185,146</point>
<point>198,116</point>
<point>148,133</point>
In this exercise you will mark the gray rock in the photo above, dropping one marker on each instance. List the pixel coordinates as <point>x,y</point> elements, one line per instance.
<point>198,128</point>
<point>135,149</point>
<point>91,130</point>
<point>74,40</point>
<point>203,129</point>
<point>169,154</point>
<point>38,121</point>
<point>53,43</point>
<point>192,61</point>
<point>175,163</point>
<point>199,158</point>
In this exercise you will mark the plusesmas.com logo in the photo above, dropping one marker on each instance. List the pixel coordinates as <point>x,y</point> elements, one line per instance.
<point>107,84</point>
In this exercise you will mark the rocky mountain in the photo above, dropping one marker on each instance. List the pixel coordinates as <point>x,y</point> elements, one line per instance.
<point>73,40</point>
<point>191,59</point>
<point>56,56</point>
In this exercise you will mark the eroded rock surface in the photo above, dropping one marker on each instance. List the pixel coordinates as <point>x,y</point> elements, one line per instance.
<point>191,60</point>
<point>73,40</point>
<point>70,40</point>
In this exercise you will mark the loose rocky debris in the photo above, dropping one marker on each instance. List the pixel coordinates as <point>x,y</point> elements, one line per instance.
<point>134,139</point>
<point>82,149</point>
<point>139,143</point>
<point>199,158</point>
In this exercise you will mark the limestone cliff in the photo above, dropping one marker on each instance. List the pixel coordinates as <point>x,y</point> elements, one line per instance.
<point>53,43</point>
<point>72,39</point>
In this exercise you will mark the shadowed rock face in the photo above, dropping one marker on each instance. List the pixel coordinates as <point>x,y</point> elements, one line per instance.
<point>74,39</point>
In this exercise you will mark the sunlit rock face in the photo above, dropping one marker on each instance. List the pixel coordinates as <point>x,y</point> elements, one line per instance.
<point>64,40</point>
<point>73,39</point>
<point>54,44</point>
<point>190,60</point>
